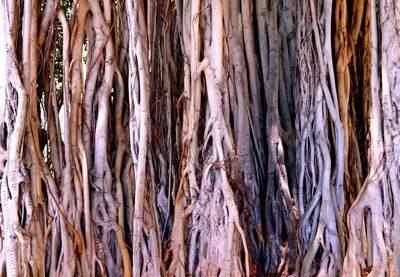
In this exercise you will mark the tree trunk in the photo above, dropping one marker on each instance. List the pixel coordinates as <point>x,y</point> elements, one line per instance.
<point>214,137</point>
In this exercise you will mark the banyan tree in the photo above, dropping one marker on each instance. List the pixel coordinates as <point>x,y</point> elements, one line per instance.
<point>199,138</point>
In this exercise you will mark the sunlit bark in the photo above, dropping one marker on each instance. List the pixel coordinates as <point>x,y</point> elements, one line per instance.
<point>203,137</point>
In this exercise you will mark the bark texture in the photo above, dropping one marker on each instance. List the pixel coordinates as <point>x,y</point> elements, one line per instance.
<point>199,138</point>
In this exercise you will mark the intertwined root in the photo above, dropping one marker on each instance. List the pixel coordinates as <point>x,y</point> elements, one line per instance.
<point>203,137</point>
